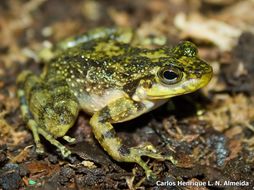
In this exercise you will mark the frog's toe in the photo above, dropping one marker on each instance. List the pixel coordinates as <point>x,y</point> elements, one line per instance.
<point>147,150</point>
<point>69,139</point>
<point>39,148</point>
<point>65,152</point>
<point>146,147</point>
<point>151,176</point>
<point>171,159</point>
<point>149,173</point>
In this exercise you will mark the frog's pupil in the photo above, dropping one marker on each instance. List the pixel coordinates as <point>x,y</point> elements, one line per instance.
<point>169,75</point>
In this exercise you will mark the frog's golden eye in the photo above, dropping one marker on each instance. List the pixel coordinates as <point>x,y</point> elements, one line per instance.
<point>170,75</point>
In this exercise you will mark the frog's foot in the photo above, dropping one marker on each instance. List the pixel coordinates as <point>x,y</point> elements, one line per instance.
<point>36,130</point>
<point>148,150</point>
<point>64,151</point>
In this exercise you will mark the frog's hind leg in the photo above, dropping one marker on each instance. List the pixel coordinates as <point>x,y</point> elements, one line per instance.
<point>26,114</point>
<point>105,134</point>
<point>122,35</point>
<point>52,106</point>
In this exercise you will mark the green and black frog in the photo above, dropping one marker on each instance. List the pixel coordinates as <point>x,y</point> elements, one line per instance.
<point>103,74</point>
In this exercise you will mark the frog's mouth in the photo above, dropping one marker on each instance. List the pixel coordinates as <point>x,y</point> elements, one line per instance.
<point>160,91</point>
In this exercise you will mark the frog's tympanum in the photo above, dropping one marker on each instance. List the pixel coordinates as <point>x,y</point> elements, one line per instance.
<point>102,74</point>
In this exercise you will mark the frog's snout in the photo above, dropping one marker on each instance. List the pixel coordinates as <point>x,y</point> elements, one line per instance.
<point>204,77</point>
<point>207,73</point>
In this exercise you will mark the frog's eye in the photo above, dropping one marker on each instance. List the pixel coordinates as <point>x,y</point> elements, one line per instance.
<point>170,75</point>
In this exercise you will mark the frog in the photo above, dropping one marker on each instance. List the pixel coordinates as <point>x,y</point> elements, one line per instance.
<point>105,73</point>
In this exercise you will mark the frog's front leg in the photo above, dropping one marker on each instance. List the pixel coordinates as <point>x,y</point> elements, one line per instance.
<point>48,109</point>
<point>106,135</point>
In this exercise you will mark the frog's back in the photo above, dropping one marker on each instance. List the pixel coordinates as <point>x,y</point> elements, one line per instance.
<point>97,72</point>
